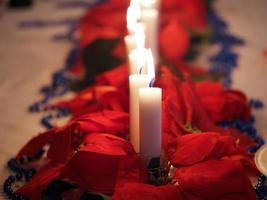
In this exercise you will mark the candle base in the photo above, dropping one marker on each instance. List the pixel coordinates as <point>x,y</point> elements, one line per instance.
<point>160,173</point>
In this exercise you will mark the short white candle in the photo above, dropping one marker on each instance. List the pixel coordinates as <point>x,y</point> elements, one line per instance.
<point>150,123</point>
<point>136,82</point>
<point>150,116</point>
<point>149,18</point>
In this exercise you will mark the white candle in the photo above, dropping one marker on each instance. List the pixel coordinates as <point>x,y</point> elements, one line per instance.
<point>132,25</point>
<point>149,18</point>
<point>150,116</point>
<point>132,16</point>
<point>148,4</point>
<point>150,123</point>
<point>136,56</point>
<point>130,43</point>
<point>136,81</point>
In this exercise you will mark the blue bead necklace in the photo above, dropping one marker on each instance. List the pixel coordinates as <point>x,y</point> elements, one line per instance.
<point>20,174</point>
<point>224,62</point>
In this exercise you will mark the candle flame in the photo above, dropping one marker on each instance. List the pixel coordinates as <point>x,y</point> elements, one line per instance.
<point>141,58</point>
<point>139,55</point>
<point>150,65</point>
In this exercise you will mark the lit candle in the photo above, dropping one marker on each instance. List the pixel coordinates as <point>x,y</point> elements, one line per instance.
<point>148,4</point>
<point>136,81</point>
<point>150,118</point>
<point>149,18</point>
<point>136,57</point>
<point>130,43</point>
<point>132,16</point>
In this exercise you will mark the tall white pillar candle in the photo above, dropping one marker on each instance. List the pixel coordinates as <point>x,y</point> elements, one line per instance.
<point>149,18</point>
<point>136,82</point>
<point>150,123</point>
<point>135,49</point>
<point>133,27</point>
<point>130,43</point>
<point>132,16</point>
<point>150,4</point>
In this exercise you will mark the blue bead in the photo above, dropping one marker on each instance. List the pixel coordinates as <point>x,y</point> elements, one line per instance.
<point>260,187</point>
<point>45,121</point>
<point>19,176</point>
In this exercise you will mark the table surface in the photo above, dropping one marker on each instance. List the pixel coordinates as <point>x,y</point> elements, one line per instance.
<point>28,57</point>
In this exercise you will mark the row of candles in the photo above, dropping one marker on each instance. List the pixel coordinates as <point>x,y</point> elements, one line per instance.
<point>145,100</point>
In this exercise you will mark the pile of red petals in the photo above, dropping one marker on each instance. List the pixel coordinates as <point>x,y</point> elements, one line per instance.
<point>92,150</point>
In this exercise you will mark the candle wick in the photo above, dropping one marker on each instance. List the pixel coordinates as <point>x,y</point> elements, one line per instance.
<point>140,71</point>
<point>152,82</point>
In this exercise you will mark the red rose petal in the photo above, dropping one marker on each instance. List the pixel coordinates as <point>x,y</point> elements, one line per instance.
<point>173,41</point>
<point>117,101</point>
<point>117,77</point>
<point>137,191</point>
<point>60,148</point>
<point>36,144</point>
<point>104,161</point>
<point>215,178</point>
<point>190,149</point>
<point>222,104</point>
<point>33,189</point>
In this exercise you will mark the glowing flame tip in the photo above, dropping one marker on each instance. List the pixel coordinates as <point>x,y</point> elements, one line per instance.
<point>150,65</point>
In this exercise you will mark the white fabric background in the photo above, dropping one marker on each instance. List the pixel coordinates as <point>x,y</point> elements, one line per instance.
<point>28,57</point>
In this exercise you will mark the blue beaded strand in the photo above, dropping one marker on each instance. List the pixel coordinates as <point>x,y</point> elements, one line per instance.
<point>261,188</point>
<point>59,85</point>
<point>247,127</point>
<point>8,188</point>
<point>225,60</point>
<point>256,103</point>
<point>75,4</point>
<point>60,79</point>
<point>47,23</point>
<point>20,173</point>
<point>61,112</point>
<point>79,4</point>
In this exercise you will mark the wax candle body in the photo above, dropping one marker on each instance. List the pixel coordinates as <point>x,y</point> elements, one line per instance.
<point>150,4</point>
<point>149,18</point>
<point>130,43</point>
<point>136,82</point>
<point>150,123</point>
